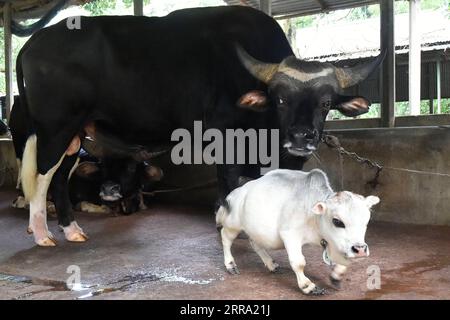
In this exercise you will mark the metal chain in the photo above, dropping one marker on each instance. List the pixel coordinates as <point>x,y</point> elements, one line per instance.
<point>333,143</point>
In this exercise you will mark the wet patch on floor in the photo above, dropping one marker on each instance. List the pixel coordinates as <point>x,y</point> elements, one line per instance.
<point>137,280</point>
<point>411,277</point>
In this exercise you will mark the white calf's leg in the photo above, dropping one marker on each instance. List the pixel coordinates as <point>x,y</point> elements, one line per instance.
<point>293,245</point>
<point>228,236</point>
<point>337,273</point>
<point>265,257</point>
<point>38,209</point>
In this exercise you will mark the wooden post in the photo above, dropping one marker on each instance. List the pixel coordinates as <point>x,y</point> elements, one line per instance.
<point>138,7</point>
<point>8,57</point>
<point>414,57</point>
<point>266,6</point>
<point>388,66</point>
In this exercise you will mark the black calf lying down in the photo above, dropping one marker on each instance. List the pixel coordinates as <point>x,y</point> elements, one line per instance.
<point>103,181</point>
<point>111,185</point>
<point>107,185</point>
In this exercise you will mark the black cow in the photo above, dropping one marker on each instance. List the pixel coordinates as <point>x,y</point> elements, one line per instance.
<point>129,82</point>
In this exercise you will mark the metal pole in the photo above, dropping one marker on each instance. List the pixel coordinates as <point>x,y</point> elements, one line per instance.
<point>8,57</point>
<point>266,6</point>
<point>388,67</point>
<point>414,57</point>
<point>438,86</point>
<point>138,7</point>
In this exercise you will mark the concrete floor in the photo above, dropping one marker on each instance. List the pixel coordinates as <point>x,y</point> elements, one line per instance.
<point>173,252</point>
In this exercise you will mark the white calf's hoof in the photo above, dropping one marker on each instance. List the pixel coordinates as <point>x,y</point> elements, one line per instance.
<point>274,267</point>
<point>74,233</point>
<point>313,290</point>
<point>232,268</point>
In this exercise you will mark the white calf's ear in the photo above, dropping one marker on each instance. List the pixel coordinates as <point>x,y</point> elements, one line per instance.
<point>319,208</point>
<point>372,200</point>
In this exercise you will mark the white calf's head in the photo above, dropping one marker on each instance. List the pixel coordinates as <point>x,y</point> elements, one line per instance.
<point>343,223</point>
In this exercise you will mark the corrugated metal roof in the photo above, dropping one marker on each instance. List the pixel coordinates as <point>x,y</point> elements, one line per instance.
<point>290,8</point>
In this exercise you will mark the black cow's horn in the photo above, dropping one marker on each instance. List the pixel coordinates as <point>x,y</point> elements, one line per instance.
<point>260,70</point>
<point>349,76</point>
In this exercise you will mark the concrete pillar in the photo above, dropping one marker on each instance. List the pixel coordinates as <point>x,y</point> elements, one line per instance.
<point>414,56</point>
<point>266,6</point>
<point>388,67</point>
<point>8,57</point>
<point>438,86</point>
<point>138,6</point>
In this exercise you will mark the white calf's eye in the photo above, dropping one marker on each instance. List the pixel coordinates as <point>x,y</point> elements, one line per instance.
<point>338,223</point>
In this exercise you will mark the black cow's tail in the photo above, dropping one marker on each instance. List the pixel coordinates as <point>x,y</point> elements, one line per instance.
<point>28,171</point>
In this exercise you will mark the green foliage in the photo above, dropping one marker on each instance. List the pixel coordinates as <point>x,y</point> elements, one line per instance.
<point>101,7</point>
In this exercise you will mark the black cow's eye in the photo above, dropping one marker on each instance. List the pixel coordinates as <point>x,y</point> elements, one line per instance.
<point>338,223</point>
<point>281,101</point>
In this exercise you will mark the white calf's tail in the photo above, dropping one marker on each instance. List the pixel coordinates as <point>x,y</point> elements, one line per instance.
<point>221,214</point>
<point>29,168</point>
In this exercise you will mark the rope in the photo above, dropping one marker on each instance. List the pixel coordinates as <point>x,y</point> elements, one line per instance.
<point>194,187</point>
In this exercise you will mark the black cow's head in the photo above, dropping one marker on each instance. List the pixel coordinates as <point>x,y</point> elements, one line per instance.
<point>304,92</point>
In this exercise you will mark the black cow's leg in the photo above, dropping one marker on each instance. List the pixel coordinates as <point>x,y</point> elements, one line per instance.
<point>59,190</point>
<point>228,180</point>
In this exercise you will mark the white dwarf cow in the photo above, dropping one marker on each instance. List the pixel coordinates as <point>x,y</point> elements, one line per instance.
<point>287,208</point>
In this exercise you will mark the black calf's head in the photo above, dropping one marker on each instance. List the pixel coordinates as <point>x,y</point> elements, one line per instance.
<point>120,181</point>
<point>303,93</point>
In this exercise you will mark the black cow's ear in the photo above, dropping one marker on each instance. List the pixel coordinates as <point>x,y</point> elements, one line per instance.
<point>352,106</point>
<point>86,169</point>
<point>254,100</point>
